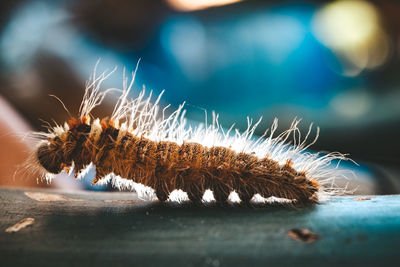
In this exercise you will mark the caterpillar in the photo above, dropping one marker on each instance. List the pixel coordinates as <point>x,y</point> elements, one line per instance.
<point>141,148</point>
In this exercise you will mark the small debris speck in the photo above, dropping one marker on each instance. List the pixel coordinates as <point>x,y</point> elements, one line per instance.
<point>362,198</point>
<point>20,225</point>
<point>45,197</point>
<point>304,235</point>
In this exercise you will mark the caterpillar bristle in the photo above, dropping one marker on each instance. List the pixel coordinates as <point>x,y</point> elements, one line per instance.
<point>159,154</point>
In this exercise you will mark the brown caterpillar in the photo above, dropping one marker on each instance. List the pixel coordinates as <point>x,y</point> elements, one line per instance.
<point>146,148</point>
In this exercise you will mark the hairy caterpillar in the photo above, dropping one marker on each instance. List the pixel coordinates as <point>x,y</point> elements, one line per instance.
<point>152,151</point>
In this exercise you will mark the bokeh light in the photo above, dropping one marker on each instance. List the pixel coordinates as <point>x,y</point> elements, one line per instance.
<point>190,5</point>
<point>352,29</point>
<point>352,104</point>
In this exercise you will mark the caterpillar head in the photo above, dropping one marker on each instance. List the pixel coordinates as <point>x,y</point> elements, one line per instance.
<point>51,156</point>
<point>65,147</point>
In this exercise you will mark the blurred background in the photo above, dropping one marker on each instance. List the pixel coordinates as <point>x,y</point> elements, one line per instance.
<point>333,63</point>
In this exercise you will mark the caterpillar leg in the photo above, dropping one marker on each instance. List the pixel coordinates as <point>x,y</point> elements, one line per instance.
<point>162,194</point>
<point>100,174</point>
<point>245,197</point>
<point>195,192</point>
<point>79,166</point>
<point>221,195</point>
<point>195,197</point>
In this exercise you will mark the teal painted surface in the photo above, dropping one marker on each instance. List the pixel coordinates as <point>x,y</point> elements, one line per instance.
<point>116,229</point>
